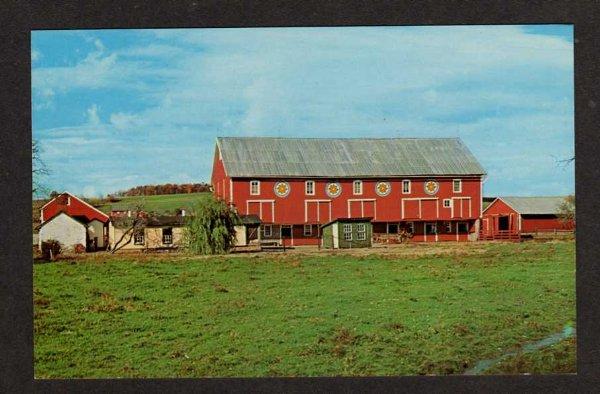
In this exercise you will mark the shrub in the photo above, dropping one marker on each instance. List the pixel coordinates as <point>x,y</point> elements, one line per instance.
<point>50,249</point>
<point>79,248</point>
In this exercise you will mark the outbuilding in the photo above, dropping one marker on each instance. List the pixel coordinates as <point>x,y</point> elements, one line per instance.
<point>523,215</point>
<point>71,231</point>
<point>347,233</point>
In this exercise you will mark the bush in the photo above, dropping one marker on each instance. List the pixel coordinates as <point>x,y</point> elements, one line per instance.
<point>79,248</point>
<point>50,249</point>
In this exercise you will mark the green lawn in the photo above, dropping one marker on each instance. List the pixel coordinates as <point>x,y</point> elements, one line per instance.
<point>163,204</point>
<point>429,310</point>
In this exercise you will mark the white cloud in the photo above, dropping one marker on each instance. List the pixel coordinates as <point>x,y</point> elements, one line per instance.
<point>92,115</point>
<point>123,121</point>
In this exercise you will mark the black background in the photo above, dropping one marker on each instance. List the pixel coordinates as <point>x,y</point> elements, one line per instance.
<point>18,18</point>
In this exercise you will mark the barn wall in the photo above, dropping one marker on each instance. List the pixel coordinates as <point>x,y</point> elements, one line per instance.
<point>296,207</point>
<point>489,222</point>
<point>64,229</point>
<point>533,223</point>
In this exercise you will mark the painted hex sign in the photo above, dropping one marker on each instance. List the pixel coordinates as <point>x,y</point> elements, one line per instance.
<point>282,189</point>
<point>432,187</point>
<point>333,189</point>
<point>383,188</point>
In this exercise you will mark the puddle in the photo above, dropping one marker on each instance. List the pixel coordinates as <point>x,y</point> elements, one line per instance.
<point>483,365</point>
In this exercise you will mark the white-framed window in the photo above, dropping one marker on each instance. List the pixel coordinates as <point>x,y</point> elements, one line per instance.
<point>463,227</point>
<point>406,186</point>
<point>447,203</point>
<point>309,188</point>
<point>307,230</point>
<point>254,188</point>
<point>347,231</point>
<point>167,236</point>
<point>448,226</point>
<point>267,230</point>
<point>456,185</point>
<point>138,237</point>
<point>430,228</point>
<point>411,227</point>
<point>357,187</point>
<point>361,231</point>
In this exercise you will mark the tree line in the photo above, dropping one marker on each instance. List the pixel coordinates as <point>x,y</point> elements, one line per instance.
<point>167,188</point>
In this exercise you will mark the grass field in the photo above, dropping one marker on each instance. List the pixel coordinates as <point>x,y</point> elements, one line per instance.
<point>163,204</point>
<point>421,310</point>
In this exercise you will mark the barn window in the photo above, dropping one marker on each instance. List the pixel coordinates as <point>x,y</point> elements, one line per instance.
<point>457,186</point>
<point>309,188</point>
<point>267,230</point>
<point>406,186</point>
<point>348,232</point>
<point>447,203</point>
<point>463,227</point>
<point>138,237</point>
<point>411,227</point>
<point>357,187</point>
<point>361,230</point>
<point>392,228</point>
<point>448,227</point>
<point>255,188</point>
<point>167,236</point>
<point>307,230</point>
<point>430,228</point>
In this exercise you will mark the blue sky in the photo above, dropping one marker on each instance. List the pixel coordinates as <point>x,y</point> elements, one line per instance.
<point>119,108</point>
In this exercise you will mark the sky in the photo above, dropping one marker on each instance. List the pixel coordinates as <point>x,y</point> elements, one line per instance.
<point>113,109</point>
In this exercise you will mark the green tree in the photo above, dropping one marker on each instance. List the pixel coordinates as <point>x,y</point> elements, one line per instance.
<point>210,227</point>
<point>566,210</point>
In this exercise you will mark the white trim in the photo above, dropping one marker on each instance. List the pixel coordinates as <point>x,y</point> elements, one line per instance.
<point>459,184</point>
<point>420,210</point>
<point>304,230</point>
<point>461,206</point>
<point>434,224</point>
<point>230,190</point>
<point>305,188</point>
<point>354,183</point>
<point>409,186</point>
<point>362,206</point>
<point>270,226</point>
<point>260,210</point>
<point>317,201</point>
<point>258,187</point>
<point>344,232</point>
<point>449,203</point>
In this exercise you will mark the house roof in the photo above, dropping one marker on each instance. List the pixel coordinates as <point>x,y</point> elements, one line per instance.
<point>250,219</point>
<point>346,157</point>
<point>534,205</point>
<point>347,220</point>
<point>152,221</point>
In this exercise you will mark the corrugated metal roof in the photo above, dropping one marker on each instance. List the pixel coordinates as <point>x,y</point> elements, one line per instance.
<point>534,205</point>
<point>346,157</point>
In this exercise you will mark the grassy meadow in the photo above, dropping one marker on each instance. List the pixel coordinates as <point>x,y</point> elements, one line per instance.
<point>415,309</point>
<point>163,203</point>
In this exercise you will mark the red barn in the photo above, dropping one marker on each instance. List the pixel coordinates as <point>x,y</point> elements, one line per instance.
<point>518,215</point>
<point>94,221</point>
<point>431,187</point>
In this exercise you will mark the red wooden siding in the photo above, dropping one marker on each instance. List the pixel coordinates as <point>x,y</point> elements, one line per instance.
<point>72,206</point>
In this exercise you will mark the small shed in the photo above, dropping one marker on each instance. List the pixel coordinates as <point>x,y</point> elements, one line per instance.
<point>347,233</point>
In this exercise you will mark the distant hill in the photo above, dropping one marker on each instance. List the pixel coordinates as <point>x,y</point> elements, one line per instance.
<point>162,204</point>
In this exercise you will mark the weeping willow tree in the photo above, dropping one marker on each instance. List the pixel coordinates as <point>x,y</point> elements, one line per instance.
<point>210,228</point>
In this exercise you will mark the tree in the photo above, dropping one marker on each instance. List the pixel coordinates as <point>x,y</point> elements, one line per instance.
<point>38,169</point>
<point>210,228</point>
<point>133,224</point>
<point>566,210</point>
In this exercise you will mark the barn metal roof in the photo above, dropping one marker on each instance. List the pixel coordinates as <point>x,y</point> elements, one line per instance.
<point>534,205</point>
<point>345,157</point>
